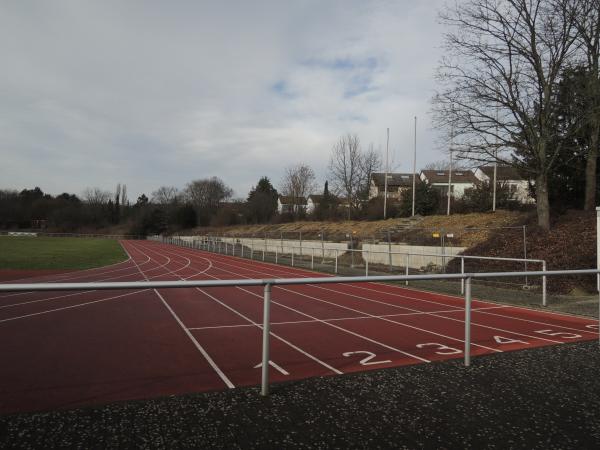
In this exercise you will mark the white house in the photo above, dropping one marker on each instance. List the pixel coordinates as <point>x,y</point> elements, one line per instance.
<point>286,204</point>
<point>397,184</point>
<point>517,186</point>
<point>461,181</point>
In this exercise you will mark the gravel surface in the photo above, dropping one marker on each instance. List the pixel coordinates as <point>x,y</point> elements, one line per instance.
<point>542,398</point>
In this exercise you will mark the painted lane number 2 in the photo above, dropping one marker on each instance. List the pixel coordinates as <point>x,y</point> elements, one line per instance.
<point>368,361</point>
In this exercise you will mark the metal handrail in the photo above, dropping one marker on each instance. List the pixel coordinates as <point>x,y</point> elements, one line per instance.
<point>211,244</point>
<point>270,282</point>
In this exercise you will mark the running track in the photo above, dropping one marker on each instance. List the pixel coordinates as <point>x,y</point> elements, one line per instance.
<point>67,349</point>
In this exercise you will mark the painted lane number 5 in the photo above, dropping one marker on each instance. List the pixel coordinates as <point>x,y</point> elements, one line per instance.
<point>368,360</point>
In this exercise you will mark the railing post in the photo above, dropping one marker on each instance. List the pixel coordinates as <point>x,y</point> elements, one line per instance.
<point>276,255</point>
<point>252,247</point>
<point>468,322</point>
<point>292,256</point>
<point>265,340</point>
<point>544,299</point>
<point>462,271</point>
<point>407,263</point>
<point>366,265</point>
<point>312,259</point>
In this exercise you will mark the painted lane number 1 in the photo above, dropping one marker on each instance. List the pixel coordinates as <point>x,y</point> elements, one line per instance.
<point>368,360</point>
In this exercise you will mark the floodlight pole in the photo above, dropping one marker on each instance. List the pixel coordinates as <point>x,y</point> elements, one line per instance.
<point>414,170</point>
<point>385,182</point>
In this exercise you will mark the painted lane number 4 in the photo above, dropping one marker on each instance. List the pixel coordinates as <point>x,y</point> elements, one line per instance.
<point>368,360</point>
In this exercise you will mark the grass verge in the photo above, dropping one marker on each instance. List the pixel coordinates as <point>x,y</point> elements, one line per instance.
<point>38,253</point>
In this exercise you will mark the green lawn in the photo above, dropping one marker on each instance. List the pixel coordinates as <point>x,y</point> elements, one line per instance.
<point>58,253</point>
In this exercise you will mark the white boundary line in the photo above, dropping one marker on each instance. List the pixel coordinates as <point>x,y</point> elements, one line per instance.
<point>401,288</point>
<point>206,356</point>
<point>293,346</point>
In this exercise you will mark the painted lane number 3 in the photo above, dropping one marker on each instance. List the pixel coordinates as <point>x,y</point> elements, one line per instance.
<point>441,348</point>
<point>368,360</point>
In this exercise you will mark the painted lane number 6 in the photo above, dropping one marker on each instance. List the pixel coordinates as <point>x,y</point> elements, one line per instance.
<point>366,361</point>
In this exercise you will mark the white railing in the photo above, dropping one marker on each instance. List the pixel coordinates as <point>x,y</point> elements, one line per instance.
<point>268,283</point>
<point>229,248</point>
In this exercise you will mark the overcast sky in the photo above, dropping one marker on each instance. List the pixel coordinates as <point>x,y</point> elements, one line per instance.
<point>160,93</point>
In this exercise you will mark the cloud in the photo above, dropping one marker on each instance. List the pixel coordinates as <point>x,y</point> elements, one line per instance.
<point>150,94</point>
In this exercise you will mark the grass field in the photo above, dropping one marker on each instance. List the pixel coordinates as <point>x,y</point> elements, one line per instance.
<point>58,253</point>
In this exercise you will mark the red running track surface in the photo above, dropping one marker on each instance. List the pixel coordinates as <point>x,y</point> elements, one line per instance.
<point>67,349</point>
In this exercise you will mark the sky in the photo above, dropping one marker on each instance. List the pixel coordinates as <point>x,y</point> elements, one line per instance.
<point>160,93</point>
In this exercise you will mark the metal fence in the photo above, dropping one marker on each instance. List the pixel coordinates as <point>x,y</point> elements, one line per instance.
<point>269,283</point>
<point>301,256</point>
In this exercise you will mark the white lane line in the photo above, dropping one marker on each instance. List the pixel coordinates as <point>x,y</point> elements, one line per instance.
<point>391,288</point>
<point>12,305</point>
<point>61,275</point>
<point>206,356</point>
<point>71,306</point>
<point>373,341</point>
<point>496,314</point>
<point>276,336</point>
<point>405,307</point>
<point>336,319</point>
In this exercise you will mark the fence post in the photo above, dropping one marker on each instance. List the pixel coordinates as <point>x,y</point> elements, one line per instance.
<point>252,247</point>
<point>407,263</point>
<point>312,258</point>
<point>366,265</point>
<point>292,256</point>
<point>544,299</point>
<point>265,341</point>
<point>468,322</point>
<point>276,255</point>
<point>389,249</point>
<point>462,271</point>
<point>336,260</point>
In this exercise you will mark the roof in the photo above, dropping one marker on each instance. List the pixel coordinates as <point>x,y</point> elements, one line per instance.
<point>318,198</point>
<point>288,200</point>
<point>502,173</point>
<point>394,179</point>
<point>458,176</point>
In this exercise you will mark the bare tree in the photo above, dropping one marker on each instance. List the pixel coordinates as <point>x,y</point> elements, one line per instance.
<point>345,169</point>
<point>444,164</point>
<point>499,79</point>
<point>371,163</point>
<point>298,182</point>
<point>165,195</point>
<point>207,194</point>
<point>96,196</point>
<point>588,27</point>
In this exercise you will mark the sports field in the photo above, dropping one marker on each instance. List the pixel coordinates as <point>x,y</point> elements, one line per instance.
<point>50,253</point>
<point>65,349</point>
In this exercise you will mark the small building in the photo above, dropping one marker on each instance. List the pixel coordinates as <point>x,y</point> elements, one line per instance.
<point>290,205</point>
<point>397,184</point>
<point>461,181</point>
<point>517,186</point>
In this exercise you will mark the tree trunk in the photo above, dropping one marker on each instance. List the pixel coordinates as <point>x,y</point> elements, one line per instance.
<point>543,204</point>
<point>590,170</point>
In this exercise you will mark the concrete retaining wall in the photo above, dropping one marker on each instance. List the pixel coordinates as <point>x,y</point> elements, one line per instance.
<point>418,255</point>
